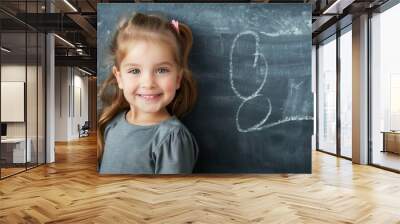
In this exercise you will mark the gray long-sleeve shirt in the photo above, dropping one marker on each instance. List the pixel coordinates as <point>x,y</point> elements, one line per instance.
<point>164,148</point>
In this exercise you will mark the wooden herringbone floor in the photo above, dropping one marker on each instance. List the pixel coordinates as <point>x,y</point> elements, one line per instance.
<point>70,191</point>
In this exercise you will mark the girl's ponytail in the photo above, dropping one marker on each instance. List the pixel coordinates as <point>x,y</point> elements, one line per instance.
<point>186,96</point>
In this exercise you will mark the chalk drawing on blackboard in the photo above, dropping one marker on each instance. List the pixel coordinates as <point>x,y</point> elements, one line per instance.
<point>295,87</point>
<point>257,55</point>
<point>271,34</point>
<point>263,123</point>
<point>256,126</point>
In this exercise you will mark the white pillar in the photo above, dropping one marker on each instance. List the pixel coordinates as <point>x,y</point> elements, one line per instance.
<point>360,90</point>
<point>50,93</point>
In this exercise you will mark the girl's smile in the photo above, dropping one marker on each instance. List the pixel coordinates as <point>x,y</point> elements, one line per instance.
<point>150,97</point>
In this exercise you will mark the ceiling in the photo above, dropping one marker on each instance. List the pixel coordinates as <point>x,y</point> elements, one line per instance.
<point>75,21</point>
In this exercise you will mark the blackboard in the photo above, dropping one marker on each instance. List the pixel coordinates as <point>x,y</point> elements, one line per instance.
<point>252,63</point>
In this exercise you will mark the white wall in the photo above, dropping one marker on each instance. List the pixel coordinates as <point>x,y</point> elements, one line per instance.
<point>61,103</point>
<point>14,73</point>
<point>80,84</point>
<point>71,93</point>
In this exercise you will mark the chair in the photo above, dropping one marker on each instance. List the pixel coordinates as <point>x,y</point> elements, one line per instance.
<point>84,130</point>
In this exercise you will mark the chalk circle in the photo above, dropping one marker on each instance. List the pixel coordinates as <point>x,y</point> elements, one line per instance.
<point>257,126</point>
<point>257,55</point>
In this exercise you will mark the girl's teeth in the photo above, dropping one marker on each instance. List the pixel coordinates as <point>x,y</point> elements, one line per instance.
<point>149,96</point>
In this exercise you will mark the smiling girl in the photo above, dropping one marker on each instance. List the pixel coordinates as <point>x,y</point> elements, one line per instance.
<point>150,87</point>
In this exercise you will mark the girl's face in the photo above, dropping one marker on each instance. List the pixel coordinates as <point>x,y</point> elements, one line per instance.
<point>148,76</point>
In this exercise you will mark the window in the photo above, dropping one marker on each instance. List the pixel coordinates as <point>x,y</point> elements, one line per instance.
<point>346,92</point>
<point>385,88</point>
<point>327,95</point>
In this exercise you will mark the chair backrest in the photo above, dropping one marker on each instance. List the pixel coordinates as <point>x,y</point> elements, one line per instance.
<point>86,125</point>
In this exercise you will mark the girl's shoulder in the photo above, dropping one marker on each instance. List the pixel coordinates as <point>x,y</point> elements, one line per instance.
<point>117,118</point>
<point>174,130</point>
<point>114,121</point>
<point>173,125</point>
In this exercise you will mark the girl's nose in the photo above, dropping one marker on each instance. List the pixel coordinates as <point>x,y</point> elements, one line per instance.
<point>147,80</point>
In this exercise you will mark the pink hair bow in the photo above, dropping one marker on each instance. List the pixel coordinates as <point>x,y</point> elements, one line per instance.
<point>175,23</point>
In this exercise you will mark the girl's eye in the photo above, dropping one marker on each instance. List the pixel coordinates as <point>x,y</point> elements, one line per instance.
<point>162,70</point>
<point>134,71</point>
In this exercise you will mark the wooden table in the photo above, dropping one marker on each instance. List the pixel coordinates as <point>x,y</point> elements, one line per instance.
<point>391,141</point>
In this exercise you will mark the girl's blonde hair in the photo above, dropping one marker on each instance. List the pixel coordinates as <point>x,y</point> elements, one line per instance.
<point>153,27</point>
